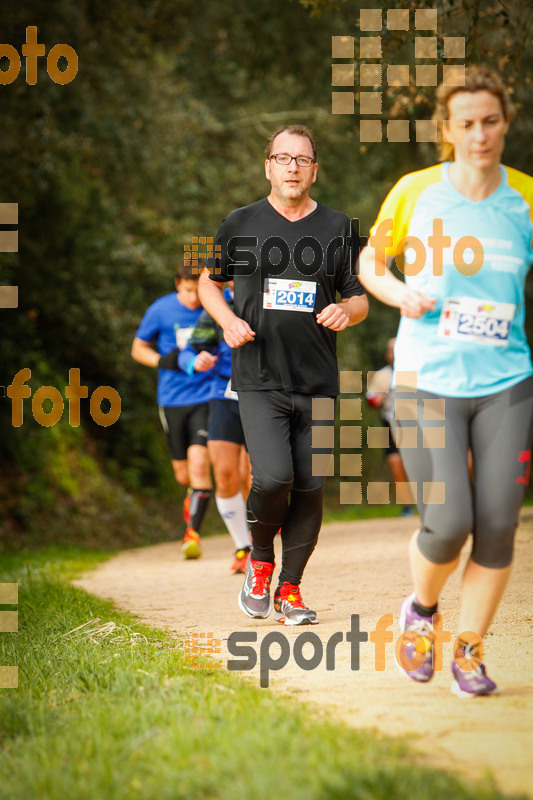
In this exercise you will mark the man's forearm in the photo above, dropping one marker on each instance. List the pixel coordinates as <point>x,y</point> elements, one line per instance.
<point>356,308</point>
<point>212,299</point>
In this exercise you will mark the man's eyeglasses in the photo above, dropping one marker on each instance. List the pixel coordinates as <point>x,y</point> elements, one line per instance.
<point>285,159</point>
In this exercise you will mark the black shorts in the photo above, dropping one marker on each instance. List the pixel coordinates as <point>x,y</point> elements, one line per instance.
<point>184,426</point>
<point>225,422</point>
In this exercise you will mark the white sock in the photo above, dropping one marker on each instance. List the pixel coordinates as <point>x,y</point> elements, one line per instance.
<point>233,512</point>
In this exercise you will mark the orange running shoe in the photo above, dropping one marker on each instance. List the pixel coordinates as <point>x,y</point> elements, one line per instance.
<point>191,547</point>
<point>241,559</point>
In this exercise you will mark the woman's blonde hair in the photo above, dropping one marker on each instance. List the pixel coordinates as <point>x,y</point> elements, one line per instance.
<point>477,79</point>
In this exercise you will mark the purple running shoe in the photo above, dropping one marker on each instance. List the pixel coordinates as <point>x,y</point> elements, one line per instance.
<point>475,683</point>
<point>411,620</point>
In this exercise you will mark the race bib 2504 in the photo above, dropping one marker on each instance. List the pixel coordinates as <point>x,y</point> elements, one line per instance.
<point>467,319</point>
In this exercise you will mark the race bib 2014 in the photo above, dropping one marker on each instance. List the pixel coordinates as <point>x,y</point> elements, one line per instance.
<point>289,295</point>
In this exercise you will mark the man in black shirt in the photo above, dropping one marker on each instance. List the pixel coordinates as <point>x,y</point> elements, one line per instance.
<point>288,256</point>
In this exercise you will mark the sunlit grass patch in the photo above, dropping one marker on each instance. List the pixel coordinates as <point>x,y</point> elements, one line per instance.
<point>110,708</point>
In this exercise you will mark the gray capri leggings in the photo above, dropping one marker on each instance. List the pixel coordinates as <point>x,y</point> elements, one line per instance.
<point>498,429</point>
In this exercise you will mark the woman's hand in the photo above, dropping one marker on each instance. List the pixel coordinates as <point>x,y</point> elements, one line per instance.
<point>413,303</point>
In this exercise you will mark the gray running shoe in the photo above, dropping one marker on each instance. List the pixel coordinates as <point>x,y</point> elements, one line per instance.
<point>289,608</point>
<point>475,683</point>
<point>411,620</point>
<point>254,598</point>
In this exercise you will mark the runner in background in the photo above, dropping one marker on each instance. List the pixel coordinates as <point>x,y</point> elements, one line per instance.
<point>183,399</point>
<point>225,443</point>
<point>289,256</point>
<point>380,395</point>
<point>461,340</point>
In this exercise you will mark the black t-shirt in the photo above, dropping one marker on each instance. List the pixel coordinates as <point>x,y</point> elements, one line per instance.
<point>307,261</point>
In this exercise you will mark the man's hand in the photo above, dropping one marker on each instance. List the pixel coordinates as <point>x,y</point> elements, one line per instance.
<point>333,317</point>
<point>238,332</point>
<point>204,361</point>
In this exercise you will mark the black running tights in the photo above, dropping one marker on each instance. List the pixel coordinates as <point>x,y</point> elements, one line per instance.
<point>284,495</point>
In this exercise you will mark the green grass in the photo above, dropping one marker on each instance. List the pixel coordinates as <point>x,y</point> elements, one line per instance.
<point>355,513</point>
<point>122,716</point>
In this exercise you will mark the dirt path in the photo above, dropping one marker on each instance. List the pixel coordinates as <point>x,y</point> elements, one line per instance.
<point>359,568</point>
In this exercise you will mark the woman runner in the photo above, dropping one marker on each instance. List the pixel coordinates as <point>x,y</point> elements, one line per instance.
<point>462,361</point>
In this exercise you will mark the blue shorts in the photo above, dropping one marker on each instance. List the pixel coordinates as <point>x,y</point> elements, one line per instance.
<point>225,422</point>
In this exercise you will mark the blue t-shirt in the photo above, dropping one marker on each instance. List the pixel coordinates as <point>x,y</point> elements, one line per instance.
<point>209,336</point>
<point>169,324</point>
<point>473,343</point>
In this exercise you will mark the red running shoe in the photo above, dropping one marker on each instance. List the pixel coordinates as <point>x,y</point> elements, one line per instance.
<point>254,598</point>
<point>289,607</point>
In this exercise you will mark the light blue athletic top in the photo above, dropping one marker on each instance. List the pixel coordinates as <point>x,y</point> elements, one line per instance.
<point>473,343</point>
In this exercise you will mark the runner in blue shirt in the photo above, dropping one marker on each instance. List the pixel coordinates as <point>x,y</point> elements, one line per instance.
<point>226,444</point>
<point>182,398</point>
